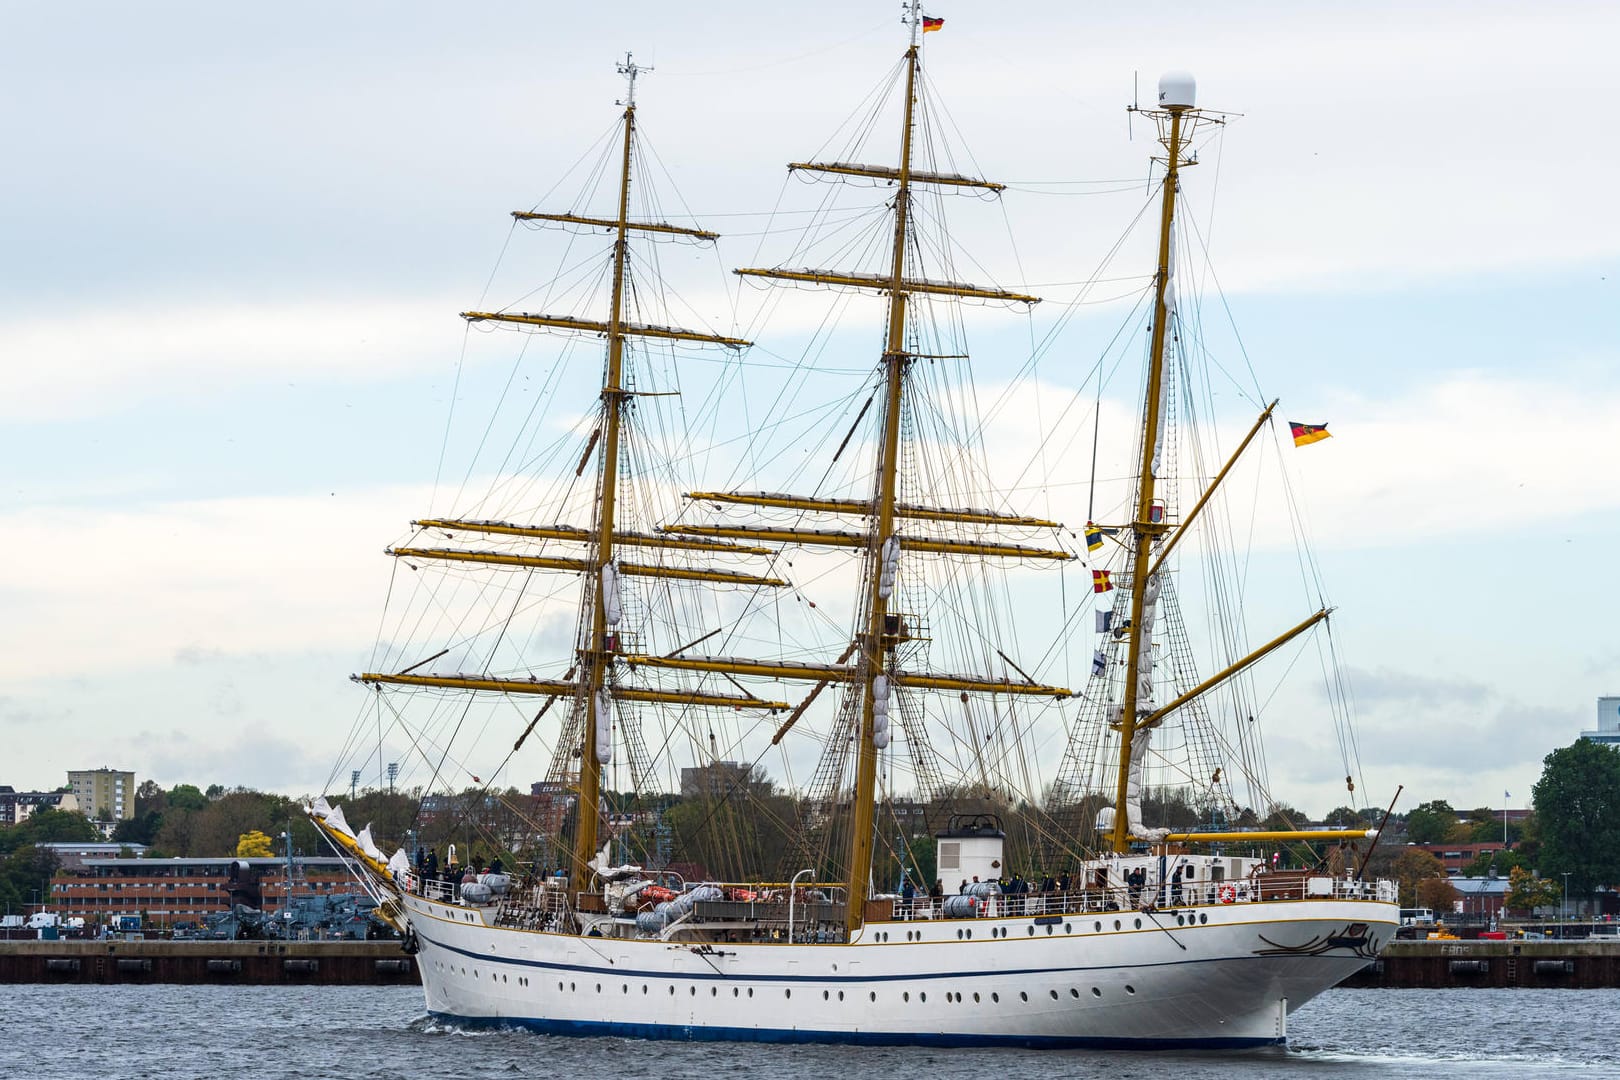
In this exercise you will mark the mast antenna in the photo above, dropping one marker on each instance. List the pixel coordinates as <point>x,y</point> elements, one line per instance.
<point>630,69</point>
<point>911,16</point>
<point>1136,103</point>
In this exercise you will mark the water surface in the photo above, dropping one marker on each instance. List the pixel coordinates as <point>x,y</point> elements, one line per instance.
<point>381,1033</point>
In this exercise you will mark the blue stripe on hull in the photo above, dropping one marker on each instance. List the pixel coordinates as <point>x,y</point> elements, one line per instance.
<point>689,1033</point>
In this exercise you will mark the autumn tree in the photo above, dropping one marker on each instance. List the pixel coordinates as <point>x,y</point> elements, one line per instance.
<point>1437,894</point>
<point>1412,866</point>
<point>1526,892</point>
<point>254,845</point>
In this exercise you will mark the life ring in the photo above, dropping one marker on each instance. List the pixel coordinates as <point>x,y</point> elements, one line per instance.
<point>1228,894</point>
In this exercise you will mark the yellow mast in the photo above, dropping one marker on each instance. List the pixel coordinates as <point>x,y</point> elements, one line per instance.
<point>1146,532</point>
<point>872,646</point>
<point>597,654</point>
<point>1144,529</point>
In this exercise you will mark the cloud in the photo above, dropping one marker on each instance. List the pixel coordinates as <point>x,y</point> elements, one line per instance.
<point>112,360</point>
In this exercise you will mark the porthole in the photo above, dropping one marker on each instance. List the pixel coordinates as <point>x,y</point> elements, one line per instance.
<point>840,995</point>
<point>906,996</point>
<point>1073,992</point>
<point>735,992</point>
<point>693,990</point>
<point>750,991</point>
<point>1139,924</point>
<point>1032,931</point>
<point>1053,993</point>
<point>672,991</point>
<point>714,991</point>
<point>785,993</point>
<point>624,988</point>
<point>1022,996</point>
<point>1067,928</point>
<point>1049,929</point>
<point>1180,920</point>
<point>571,987</point>
<point>598,988</point>
<point>1130,989</point>
<point>872,995</point>
<point>1116,924</point>
<point>825,995</point>
<point>643,988</point>
<point>922,997</point>
<point>975,998</point>
<point>970,934</point>
<point>1203,917</point>
<point>1096,992</point>
<point>994,997</point>
<point>958,933</point>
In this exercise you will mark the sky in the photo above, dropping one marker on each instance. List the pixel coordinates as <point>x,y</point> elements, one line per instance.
<point>235,243</point>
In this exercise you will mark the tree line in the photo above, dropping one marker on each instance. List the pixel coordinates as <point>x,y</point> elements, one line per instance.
<point>750,832</point>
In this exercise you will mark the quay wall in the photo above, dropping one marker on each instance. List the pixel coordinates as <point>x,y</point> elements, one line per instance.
<point>1575,965</point>
<point>245,963</point>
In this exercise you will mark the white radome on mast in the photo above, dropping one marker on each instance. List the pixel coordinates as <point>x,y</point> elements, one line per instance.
<point>1178,90</point>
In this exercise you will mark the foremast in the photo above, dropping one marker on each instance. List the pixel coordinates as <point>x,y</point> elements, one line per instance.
<point>590,681</point>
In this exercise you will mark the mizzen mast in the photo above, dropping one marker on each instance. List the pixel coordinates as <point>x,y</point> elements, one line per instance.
<point>1176,100</point>
<point>1152,535</point>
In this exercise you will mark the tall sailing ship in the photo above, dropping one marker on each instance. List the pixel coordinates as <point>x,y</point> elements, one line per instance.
<point>1061,917</point>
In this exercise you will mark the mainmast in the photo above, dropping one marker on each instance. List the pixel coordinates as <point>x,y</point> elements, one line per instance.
<point>885,554</point>
<point>881,630</point>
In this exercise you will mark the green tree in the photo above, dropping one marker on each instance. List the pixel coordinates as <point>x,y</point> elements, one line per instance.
<point>49,827</point>
<point>1577,803</point>
<point>1431,823</point>
<point>25,876</point>
<point>1343,817</point>
<point>186,797</point>
<point>1497,863</point>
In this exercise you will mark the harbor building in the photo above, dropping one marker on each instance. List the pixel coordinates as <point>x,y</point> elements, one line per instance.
<point>105,795</point>
<point>165,891</point>
<point>1608,722</point>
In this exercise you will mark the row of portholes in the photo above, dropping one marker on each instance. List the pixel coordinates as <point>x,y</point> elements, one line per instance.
<point>826,995</point>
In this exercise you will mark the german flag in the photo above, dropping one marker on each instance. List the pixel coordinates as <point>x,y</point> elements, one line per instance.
<point>1101,580</point>
<point>931,23</point>
<point>1305,434</point>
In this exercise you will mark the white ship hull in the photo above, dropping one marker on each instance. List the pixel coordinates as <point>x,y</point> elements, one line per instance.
<point>1223,975</point>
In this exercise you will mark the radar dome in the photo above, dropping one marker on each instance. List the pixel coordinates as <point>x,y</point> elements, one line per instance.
<point>1177,90</point>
